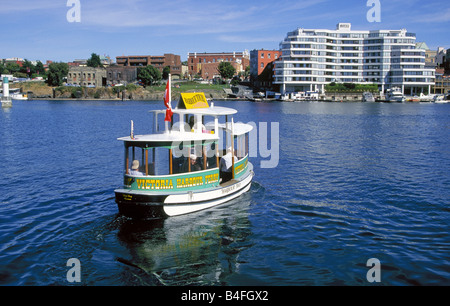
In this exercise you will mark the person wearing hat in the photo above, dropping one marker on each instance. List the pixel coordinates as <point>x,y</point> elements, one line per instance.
<point>194,164</point>
<point>135,168</point>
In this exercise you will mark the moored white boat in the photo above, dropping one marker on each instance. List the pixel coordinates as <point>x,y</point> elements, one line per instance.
<point>441,98</point>
<point>15,94</point>
<point>426,98</point>
<point>368,97</point>
<point>394,95</point>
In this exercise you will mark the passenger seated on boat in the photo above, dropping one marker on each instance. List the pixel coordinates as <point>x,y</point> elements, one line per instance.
<point>135,169</point>
<point>225,166</point>
<point>194,164</point>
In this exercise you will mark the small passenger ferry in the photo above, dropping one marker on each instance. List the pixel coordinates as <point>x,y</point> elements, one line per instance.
<point>195,163</point>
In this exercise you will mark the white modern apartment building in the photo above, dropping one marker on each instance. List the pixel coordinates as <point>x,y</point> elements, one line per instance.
<point>312,58</point>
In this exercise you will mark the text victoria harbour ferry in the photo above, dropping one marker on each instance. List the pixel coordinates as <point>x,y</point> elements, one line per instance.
<point>188,166</point>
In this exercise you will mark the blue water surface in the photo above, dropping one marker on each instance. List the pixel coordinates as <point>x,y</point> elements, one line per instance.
<point>353,181</point>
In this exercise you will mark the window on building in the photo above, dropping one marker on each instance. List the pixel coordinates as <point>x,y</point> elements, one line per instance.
<point>268,55</point>
<point>262,55</point>
<point>262,65</point>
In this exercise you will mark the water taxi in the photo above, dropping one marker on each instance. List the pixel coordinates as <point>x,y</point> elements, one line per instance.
<point>188,165</point>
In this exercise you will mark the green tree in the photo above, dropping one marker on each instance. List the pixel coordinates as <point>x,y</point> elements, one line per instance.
<point>28,68</point>
<point>226,70</point>
<point>149,75</point>
<point>246,73</point>
<point>165,74</point>
<point>40,68</point>
<point>12,67</point>
<point>94,61</point>
<point>56,73</point>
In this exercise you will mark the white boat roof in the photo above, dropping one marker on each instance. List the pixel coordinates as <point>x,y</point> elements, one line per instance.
<point>163,137</point>
<point>239,128</point>
<point>172,136</point>
<point>210,111</point>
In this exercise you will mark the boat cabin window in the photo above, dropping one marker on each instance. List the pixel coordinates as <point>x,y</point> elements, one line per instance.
<point>159,158</point>
<point>191,157</point>
<point>139,161</point>
<point>194,157</point>
<point>241,146</point>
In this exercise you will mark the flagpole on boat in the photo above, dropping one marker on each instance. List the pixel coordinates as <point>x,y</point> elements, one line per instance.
<point>170,101</point>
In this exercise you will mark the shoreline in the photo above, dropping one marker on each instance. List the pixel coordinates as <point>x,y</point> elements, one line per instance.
<point>224,100</point>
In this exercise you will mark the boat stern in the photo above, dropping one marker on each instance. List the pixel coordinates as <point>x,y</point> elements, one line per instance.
<point>139,206</point>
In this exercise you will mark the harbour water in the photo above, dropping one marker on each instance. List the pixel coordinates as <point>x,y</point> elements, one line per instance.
<point>354,181</point>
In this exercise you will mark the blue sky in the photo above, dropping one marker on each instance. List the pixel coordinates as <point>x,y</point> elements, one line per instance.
<point>39,29</point>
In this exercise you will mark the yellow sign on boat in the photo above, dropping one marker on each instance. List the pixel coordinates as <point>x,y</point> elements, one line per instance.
<point>193,100</point>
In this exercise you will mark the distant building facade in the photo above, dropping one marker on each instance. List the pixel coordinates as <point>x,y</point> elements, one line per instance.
<point>158,61</point>
<point>430,56</point>
<point>312,58</point>
<point>440,55</point>
<point>261,60</point>
<point>86,76</point>
<point>205,64</point>
<point>14,60</point>
<point>442,83</point>
<point>121,75</point>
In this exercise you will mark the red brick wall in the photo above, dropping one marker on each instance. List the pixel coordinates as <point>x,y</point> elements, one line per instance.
<point>265,57</point>
<point>197,61</point>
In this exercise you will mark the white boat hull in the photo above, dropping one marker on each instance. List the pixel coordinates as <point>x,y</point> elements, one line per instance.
<point>199,201</point>
<point>144,205</point>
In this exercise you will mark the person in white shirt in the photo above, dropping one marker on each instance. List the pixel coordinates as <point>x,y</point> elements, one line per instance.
<point>225,166</point>
<point>134,169</point>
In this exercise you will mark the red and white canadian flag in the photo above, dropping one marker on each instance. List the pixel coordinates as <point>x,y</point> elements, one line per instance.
<point>167,99</point>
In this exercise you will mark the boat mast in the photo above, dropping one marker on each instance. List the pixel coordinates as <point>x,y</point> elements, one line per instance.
<point>170,102</point>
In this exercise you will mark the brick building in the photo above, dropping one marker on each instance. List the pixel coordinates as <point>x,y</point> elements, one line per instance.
<point>210,71</point>
<point>259,61</point>
<point>87,76</point>
<point>442,82</point>
<point>205,64</point>
<point>158,61</point>
<point>121,75</point>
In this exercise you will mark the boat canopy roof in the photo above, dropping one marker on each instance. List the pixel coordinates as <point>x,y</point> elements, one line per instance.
<point>166,138</point>
<point>239,128</point>
<point>190,104</point>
